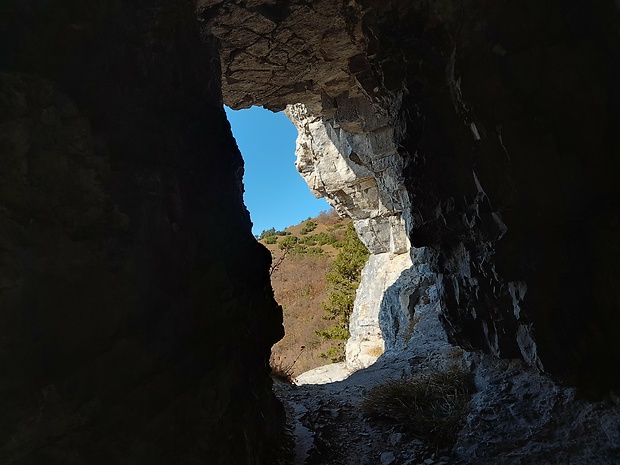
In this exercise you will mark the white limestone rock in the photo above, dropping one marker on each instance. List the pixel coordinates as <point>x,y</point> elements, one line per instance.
<point>359,173</point>
<point>352,160</point>
<point>324,374</point>
<point>366,343</point>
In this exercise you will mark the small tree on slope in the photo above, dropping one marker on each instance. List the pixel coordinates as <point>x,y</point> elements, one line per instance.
<point>342,283</point>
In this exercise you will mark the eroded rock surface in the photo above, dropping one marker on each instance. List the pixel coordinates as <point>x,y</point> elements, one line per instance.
<point>353,162</point>
<point>275,53</point>
<point>361,173</point>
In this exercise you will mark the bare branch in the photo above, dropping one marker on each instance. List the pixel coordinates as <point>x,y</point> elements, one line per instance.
<point>274,266</point>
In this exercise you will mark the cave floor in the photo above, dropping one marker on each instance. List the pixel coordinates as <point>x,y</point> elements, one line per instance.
<point>516,416</point>
<point>330,428</point>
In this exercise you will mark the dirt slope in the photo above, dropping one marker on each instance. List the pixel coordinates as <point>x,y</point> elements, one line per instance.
<point>300,287</point>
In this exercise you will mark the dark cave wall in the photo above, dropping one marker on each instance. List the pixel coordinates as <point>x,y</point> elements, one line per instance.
<point>136,312</point>
<point>512,143</point>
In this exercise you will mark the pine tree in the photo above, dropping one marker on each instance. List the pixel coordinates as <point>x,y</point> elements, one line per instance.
<point>342,282</point>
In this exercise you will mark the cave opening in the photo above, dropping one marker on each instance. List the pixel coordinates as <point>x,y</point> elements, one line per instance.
<point>275,194</point>
<point>303,234</point>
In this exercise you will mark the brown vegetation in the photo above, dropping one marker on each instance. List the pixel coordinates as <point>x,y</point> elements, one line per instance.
<point>299,283</point>
<point>431,406</point>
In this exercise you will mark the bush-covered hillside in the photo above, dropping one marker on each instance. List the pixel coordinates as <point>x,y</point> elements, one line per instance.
<point>305,258</point>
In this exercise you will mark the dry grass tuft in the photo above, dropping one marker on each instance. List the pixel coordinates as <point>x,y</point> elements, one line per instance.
<point>329,217</point>
<point>431,407</point>
<point>281,369</point>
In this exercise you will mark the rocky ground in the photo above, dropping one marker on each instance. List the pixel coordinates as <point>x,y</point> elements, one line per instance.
<point>516,416</point>
<point>330,427</point>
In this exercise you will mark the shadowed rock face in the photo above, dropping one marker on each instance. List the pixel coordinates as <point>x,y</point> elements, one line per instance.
<point>511,139</point>
<point>136,314</point>
<point>275,53</point>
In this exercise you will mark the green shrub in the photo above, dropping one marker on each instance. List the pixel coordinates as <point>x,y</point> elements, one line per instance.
<point>314,251</point>
<point>335,354</point>
<point>267,233</point>
<point>271,239</point>
<point>308,227</point>
<point>298,249</point>
<point>324,238</point>
<point>283,233</point>
<point>342,283</point>
<point>308,240</point>
<point>288,242</point>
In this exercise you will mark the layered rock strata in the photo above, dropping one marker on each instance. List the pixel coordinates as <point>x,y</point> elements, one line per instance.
<point>275,53</point>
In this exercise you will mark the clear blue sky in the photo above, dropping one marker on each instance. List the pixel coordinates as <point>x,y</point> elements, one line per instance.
<point>275,193</point>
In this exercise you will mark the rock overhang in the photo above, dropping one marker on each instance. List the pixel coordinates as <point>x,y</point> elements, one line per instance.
<point>422,106</point>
